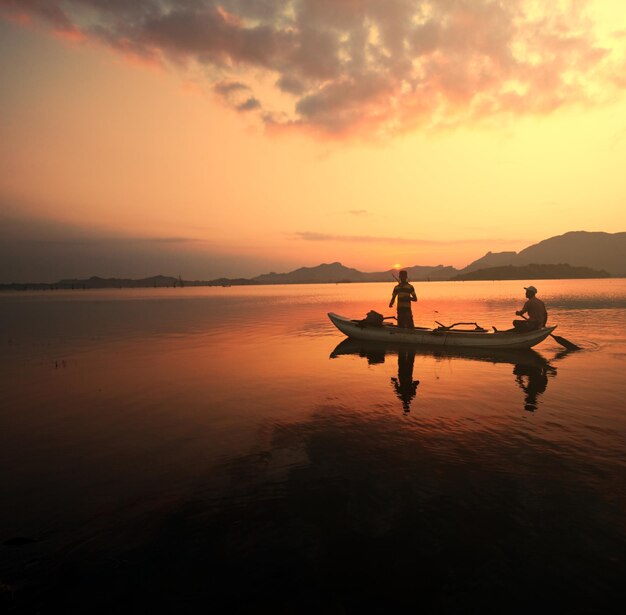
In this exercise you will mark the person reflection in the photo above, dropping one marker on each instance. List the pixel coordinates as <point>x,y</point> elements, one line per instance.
<point>404,385</point>
<point>533,380</point>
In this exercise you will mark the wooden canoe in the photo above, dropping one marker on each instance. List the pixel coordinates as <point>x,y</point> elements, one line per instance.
<point>441,336</point>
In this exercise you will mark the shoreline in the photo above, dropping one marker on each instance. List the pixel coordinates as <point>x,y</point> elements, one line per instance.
<point>44,287</point>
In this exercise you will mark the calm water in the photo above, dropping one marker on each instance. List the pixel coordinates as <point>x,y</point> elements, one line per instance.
<point>224,448</point>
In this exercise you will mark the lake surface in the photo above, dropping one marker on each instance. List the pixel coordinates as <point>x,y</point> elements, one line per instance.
<point>225,449</point>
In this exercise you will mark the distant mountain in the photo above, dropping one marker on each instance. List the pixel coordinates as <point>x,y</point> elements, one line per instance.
<point>491,259</point>
<point>532,272</point>
<point>97,282</point>
<point>438,273</point>
<point>418,273</point>
<point>337,273</point>
<point>602,251</point>
<point>580,248</point>
<point>157,281</point>
<point>322,274</point>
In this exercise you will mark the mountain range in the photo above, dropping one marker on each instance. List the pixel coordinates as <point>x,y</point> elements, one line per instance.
<point>587,254</point>
<point>603,251</point>
<point>532,272</point>
<point>574,254</point>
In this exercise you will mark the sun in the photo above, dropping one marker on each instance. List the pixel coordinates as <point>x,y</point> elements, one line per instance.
<point>397,266</point>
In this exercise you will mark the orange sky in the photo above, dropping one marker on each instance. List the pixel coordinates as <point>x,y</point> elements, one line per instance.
<point>241,136</point>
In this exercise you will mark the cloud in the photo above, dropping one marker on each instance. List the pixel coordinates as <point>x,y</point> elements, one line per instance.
<point>357,212</point>
<point>313,236</point>
<point>249,104</point>
<point>237,95</point>
<point>226,88</point>
<point>362,68</point>
<point>52,12</point>
<point>34,249</point>
<point>112,241</point>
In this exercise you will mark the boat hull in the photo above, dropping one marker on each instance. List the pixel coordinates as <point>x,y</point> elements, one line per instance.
<point>435,337</point>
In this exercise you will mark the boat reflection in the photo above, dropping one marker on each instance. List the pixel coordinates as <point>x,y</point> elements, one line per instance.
<point>531,370</point>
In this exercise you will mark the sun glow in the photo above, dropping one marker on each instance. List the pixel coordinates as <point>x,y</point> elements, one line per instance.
<point>196,174</point>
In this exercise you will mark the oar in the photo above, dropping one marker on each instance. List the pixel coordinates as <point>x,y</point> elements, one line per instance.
<point>561,340</point>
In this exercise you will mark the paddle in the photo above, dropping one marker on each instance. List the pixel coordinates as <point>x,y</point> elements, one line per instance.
<point>561,340</point>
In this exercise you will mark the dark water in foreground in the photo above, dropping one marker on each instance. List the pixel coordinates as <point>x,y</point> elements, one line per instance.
<point>188,450</point>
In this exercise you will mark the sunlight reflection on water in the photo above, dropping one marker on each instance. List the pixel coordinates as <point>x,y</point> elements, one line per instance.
<point>121,407</point>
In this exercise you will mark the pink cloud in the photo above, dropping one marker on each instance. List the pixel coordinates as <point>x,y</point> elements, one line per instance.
<point>361,68</point>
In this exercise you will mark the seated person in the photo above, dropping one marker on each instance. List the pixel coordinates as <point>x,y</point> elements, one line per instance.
<point>536,310</point>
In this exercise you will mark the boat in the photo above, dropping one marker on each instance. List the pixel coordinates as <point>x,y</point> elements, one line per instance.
<point>440,336</point>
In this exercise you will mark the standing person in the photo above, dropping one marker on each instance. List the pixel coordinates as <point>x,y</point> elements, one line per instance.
<point>405,294</point>
<point>536,310</point>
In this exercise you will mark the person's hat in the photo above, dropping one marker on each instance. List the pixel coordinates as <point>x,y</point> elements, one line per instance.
<point>532,289</point>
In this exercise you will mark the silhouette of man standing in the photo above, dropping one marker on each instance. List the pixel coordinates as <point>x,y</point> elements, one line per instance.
<point>405,293</point>
<point>404,385</point>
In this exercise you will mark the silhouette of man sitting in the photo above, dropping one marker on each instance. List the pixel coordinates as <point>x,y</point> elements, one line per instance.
<point>536,310</point>
<point>535,384</point>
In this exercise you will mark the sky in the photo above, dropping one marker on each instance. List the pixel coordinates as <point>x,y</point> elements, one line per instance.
<point>234,138</point>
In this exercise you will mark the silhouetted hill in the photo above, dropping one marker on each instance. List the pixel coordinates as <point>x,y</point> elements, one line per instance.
<point>491,259</point>
<point>438,273</point>
<point>97,282</point>
<point>602,251</point>
<point>580,248</point>
<point>532,272</point>
<point>324,273</point>
<point>417,273</point>
<point>336,273</point>
<point>157,281</point>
